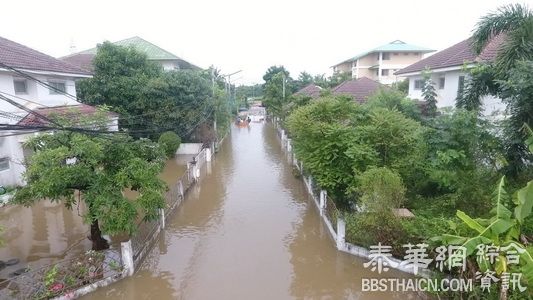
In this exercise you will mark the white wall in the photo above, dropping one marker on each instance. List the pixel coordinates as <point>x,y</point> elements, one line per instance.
<point>12,147</point>
<point>446,97</point>
<point>169,65</point>
<point>36,92</point>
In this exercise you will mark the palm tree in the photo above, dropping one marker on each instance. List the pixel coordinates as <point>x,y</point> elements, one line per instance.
<point>505,76</point>
<point>515,21</point>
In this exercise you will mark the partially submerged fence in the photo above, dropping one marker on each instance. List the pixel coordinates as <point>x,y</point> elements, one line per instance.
<point>75,277</point>
<point>329,213</point>
<point>135,250</point>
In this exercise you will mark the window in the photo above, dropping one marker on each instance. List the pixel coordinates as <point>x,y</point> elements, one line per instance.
<point>57,87</point>
<point>21,86</point>
<point>377,72</point>
<point>461,84</point>
<point>395,54</point>
<point>442,82</point>
<point>4,163</point>
<point>406,53</point>
<point>419,83</point>
<point>385,56</point>
<point>384,72</point>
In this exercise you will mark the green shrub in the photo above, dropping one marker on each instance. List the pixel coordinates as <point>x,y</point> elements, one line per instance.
<point>381,190</point>
<point>170,142</point>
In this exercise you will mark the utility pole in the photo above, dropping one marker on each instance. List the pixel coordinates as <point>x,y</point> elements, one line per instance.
<point>228,77</point>
<point>283,74</point>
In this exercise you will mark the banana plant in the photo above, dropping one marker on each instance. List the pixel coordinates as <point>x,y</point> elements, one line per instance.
<point>502,229</point>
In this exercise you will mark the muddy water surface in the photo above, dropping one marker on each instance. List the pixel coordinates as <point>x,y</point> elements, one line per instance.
<point>48,232</point>
<point>248,231</point>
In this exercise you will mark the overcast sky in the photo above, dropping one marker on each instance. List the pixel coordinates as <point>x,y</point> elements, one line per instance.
<point>245,35</point>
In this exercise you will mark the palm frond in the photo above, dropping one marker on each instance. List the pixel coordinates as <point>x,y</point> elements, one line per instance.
<point>518,46</point>
<point>503,19</point>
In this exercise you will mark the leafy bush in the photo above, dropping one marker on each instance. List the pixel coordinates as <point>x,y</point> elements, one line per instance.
<point>381,190</point>
<point>170,142</point>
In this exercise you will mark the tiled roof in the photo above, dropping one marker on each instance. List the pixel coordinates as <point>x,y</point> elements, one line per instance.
<point>360,89</point>
<point>83,61</point>
<point>65,111</point>
<point>19,56</point>
<point>310,90</point>
<point>394,46</point>
<point>456,55</point>
<point>84,58</point>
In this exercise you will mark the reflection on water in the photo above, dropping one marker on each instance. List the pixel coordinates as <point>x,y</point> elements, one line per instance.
<point>41,234</point>
<point>47,231</point>
<point>247,231</point>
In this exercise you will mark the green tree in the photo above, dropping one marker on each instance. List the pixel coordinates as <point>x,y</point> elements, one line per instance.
<point>429,93</point>
<point>273,70</point>
<point>72,167</point>
<point>304,79</point>
<point>393,99</point>
<point>148,100</point>
<point>337,78</point>
<point>322,133</point>
<point>514,25</point>
<point>169,142</point>
<point>515,21</point>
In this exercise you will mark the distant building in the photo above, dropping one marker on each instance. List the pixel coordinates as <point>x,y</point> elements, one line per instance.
<point>18,66</point>
<point>310,90</point>
<point>447,72</point>
<point>168,61</point>
<point>359,89</point>
<point>380,63</point>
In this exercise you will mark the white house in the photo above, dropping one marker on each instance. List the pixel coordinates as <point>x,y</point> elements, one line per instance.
<point>447,72</point>
<point>20,70</point>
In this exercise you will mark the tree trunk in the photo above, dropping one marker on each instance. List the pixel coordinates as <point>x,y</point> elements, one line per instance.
<point>99,243</point>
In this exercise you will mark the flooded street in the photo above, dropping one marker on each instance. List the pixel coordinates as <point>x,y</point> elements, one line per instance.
<point>247,231</point>
<point>47,231</point>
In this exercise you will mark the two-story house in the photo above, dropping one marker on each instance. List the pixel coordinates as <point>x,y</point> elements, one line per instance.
<point>447,69</point>
<point>40,83</point>
<point>381,63</point>
<point>166,59</point>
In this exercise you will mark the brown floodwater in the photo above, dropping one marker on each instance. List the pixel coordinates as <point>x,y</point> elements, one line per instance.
<point>47,231</point>
<point>247,231</point>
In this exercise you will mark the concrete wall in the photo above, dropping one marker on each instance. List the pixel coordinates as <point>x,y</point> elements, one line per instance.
<point>11,147</point>
<point>189,148</point>
<point>169,65</point>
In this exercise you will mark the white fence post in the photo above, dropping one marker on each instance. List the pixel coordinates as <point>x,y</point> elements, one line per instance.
<point>310,185</point>
<point>323,195</point>
<point>127,257</point>
<point>289,145</point>
<point>341,233</point>
<point>207,154</point>
<point>162,216</point>
<point>180,189</point>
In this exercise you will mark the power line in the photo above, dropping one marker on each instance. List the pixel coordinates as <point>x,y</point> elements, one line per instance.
<point>61,127</point>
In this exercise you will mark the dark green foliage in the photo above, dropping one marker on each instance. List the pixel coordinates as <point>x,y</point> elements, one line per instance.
<point>429,94</point>
<point>148,100</point>
<point>393,99</point>
<point>73,167</point>
<point>517,93</point>
<point>463,153</point>
<point>169,142</point>
<point>322,134</point>
<point>515,22</point>
<point>380,190</point>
